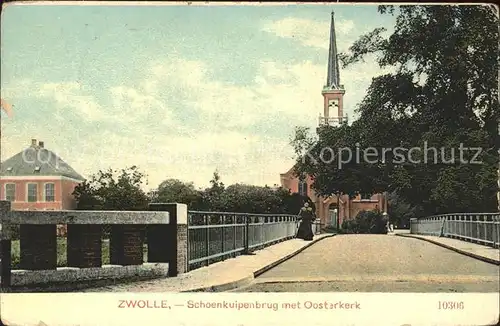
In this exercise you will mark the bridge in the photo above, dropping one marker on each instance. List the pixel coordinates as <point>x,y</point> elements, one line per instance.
<point>172,249</point>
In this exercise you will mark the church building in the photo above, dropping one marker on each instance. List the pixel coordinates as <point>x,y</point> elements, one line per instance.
<point>333,210</point>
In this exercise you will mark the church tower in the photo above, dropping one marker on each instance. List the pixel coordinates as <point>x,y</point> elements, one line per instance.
<point>333,92</point>
<point>332,210</point>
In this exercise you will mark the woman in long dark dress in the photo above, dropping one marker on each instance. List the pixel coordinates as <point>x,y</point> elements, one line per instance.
<point>306,217</point>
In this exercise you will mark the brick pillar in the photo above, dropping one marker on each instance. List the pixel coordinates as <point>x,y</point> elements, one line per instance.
<point>5,246</point>
<point>160,238</point>
<point>38,244</point>
<point>126,244</point>
<point>84,245</point>
<point>170,242</point>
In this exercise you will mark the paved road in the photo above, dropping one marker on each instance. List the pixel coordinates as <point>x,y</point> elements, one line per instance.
<point>378,263</point>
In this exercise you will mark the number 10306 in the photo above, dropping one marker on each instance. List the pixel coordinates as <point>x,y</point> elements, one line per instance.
<point>451,305</point>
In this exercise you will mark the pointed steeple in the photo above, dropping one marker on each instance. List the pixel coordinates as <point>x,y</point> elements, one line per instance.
<point>333,77</point>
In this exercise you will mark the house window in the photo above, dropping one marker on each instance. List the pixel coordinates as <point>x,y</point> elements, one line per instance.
<point>303,188</point>
<point>49,192</point>
<point>366,196</point>
<point>10,192</point>
<point>32,192</point>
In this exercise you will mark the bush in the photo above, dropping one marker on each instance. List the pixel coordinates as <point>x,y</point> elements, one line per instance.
<point>366,222</point>
<point>349,226</point>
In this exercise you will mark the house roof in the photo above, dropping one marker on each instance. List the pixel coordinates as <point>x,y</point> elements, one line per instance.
<point>37,161</point>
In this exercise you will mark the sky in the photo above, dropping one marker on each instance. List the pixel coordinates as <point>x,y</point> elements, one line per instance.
<point>179,91</point>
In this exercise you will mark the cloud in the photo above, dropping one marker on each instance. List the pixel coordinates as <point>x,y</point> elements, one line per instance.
<point>132,104</point>
<point>68,95</point>
<point>309,32</point>
<point>344,26</point>
<point>122,104</point>
<point>288,90</point>
<point>238,156</point>
<point>178,121</point>
<point>218,137</point>
<point>357,77</point>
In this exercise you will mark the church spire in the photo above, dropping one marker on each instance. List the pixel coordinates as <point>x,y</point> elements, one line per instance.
<point>333,79</point>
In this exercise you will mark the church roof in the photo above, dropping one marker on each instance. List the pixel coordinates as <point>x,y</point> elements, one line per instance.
<point>37,161</point>
<point>333,76</point>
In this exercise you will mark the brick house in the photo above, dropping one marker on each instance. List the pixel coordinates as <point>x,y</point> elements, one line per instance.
<point>329,208</point>
<point>37,179</point>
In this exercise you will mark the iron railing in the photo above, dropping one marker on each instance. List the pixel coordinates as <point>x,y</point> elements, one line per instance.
<point>215,236</point>
<point>481,228</point>
<point>332,121</point>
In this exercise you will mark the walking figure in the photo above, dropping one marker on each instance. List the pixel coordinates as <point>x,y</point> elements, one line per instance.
<point>306,218</point>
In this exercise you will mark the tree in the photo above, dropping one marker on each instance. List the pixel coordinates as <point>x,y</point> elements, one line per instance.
<point>400,212</point>
<point>443,93</point>
<point>108,190</point>
<point>213,196</point>
<point>238,198</point>
<point>176,191</point>
<point>332,164</point>
<point>261,200</point>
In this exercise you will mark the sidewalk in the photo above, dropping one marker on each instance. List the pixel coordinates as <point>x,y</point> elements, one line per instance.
<point>484,253</point>
<point>223,276</point>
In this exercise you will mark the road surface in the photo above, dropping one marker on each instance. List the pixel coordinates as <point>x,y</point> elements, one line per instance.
<point>378,263</point>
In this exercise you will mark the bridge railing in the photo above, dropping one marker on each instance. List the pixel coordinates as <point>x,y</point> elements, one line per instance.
<point>39,246</point>
<point>214,236</point>
<point>167,233</point>
<point>481,228</point>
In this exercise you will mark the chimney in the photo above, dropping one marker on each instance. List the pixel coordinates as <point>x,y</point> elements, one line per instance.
<point>40,144</point>
<point>33,142</point>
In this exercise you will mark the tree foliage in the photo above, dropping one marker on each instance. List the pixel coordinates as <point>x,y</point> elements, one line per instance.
<point>176,191</point>
<point>214,195</point>
<point>112,190</point>
<point>108,190</point>
<point>443,93</point>
<point>233,198</point>
<point>239,198</point>
<point>400,211</point>
<point>261,200</point>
